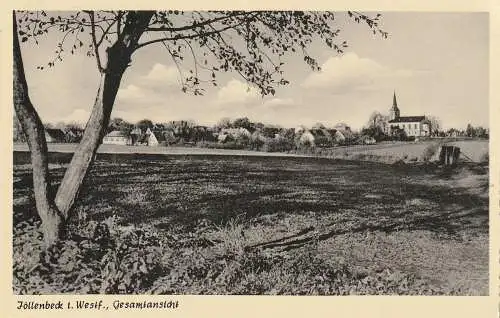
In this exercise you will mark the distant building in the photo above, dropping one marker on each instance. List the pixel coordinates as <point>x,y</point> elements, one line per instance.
<point>299,129</point>
<point>149,138</point>
<point>412,125</point>
<point>233,133</point>
<point>342,127</point>
<point>117,137</point>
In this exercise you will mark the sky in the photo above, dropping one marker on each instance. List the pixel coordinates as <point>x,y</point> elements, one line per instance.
<point>437,63</point>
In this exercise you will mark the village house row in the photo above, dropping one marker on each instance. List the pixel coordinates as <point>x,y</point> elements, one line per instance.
<point>184,132</point>
<point>415,126</point>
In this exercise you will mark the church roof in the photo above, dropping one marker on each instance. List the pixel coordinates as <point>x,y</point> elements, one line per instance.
<point>394,102</point>
<point>408,119</point>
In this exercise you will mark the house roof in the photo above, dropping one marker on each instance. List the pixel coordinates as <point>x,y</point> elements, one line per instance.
<point>407,119</point>
<point>394,102</point>
<point>342,126</point>
<point>117,133</point>
<point>236,131</point>
<point>200,127</point>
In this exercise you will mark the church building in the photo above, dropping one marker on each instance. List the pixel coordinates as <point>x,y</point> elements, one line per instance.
<point>416,126</point>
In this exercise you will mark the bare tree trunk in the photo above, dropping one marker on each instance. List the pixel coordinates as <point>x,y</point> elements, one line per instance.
<point>52,221</point>
<point>85,153</point>
<point>55,212</point>
<point>118,59</point>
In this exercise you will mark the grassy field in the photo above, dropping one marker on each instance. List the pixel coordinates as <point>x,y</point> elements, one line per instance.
<point>388,152</point>
<point>260,225</point>
<point>172,150</point>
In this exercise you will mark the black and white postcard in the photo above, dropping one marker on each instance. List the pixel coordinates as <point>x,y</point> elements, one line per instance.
<point>165,153</point>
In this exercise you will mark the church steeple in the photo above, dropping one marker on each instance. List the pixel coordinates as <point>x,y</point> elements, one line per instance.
<point>394,112</point>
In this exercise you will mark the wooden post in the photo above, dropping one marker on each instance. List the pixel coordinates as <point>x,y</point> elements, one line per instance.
<point>449,155</point>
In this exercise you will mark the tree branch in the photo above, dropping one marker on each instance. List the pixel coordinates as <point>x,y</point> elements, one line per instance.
<point>181,37</point>
<point>176,64</point>
<point>197,34</point>
<point>106,32</point>
<point>119,23</point>
<point>199,24</point>
<point>94,42</point>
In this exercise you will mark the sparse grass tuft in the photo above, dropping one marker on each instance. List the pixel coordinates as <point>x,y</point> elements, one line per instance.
<point>134,197</point>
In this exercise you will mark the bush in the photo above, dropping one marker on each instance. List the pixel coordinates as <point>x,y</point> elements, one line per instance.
<point>277,145</point>
<point>410,138</point>
<point>205,144</point>
<point>303,145</point>
<point>256,144</point>
<point>108,262</point>
<point>229,145</point>
<point>430,151</point>
<point>323,141</point>
<point>257,141</point>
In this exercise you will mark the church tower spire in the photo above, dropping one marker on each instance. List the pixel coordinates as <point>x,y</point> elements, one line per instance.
<point>394,112</point>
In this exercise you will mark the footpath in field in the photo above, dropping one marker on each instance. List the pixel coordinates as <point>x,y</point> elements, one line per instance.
<point>473,150</point>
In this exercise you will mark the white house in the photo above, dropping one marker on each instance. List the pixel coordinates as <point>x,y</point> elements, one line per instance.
<point>235,133</point>
<point>117,137</point>
<point>151,138</point>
